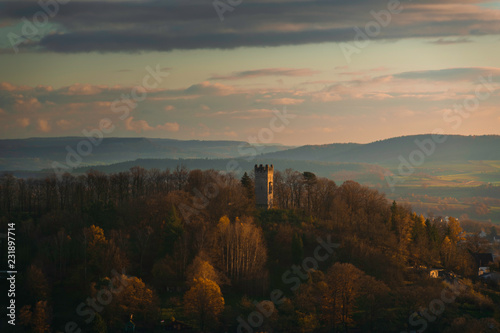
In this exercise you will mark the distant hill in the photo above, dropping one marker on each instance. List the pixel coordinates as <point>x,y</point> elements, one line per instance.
<point>39,153</point>
<point>459,178</point>
<point>456,148</point>
<point>363,162</point>
<point>340,171</point>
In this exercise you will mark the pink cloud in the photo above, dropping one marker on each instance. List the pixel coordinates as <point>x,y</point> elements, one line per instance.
<point>326,97</point>
<point>65,124</point>
<point>26,104</point>
<point>366,71</point>
<point>286,101</point>
<point>207,88</point>
<point>171,127</point>
<point>23,122</point>
<point>266,72</point>
<point>141,125</point>
<point>43,125</point>
<point>318,82</point>
<point>231,134</point>
<point>83,89</point>
<point>10,87</point>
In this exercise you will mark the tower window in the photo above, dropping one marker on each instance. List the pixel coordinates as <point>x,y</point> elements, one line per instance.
<point>270,187</point>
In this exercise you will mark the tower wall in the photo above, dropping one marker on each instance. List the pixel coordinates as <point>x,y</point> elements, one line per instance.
<point>264,183</point>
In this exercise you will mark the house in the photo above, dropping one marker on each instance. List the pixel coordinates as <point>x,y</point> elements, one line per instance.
<point>494,276</point>
<point>482,260</point>
<point>436,273</point>
<point>496,239</point>
<point>440,273</point>
<point>483,270</point>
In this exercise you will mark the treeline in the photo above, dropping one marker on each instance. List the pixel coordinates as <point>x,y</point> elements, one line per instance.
<point>189,244</point>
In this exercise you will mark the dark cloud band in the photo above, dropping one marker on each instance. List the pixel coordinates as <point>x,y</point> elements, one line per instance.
<point>130,26</point>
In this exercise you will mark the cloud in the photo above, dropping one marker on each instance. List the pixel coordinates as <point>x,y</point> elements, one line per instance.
<point>366,71</point>
<point>207,88</point>
<point>286,101</point>
<point>26,103</point>
<point>450,74</point>
<point>318,82</point>
<point>82,89</point>
<point>10,87</point>
<point>447,41</point>
<point>134,26</point>
<point>29,111</point>
<point>141,125</point>
<point>266,72</point>
<point>66,124</point>
<point>231,134</point>
<point>43,125</point>
<point>23,122</point>
<point>171,127</point>
<point>241,114</point>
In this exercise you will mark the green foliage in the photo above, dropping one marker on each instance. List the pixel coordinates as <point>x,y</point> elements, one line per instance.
<point>247,183</point>
<point>277,216</point>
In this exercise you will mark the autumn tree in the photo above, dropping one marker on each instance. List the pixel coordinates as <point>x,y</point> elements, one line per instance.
<point>454,231</point>
<point>372,301</point>
<point>344,284</point>
<point>309,301</point>
<point>401,225</point>
<point>204,302</point>
<point>127,295</point>
<point>240,249</point>
<point>310,181</point>
<point>37,284</point>
<point>477,244</point>
<point>37,319</point>
<point>101,255</point>
<point>201,268</point>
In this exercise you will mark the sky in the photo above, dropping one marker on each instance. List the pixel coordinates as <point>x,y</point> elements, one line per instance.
<point>343,71</point>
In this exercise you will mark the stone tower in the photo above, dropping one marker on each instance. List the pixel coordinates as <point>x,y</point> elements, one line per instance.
<point>264,186</point>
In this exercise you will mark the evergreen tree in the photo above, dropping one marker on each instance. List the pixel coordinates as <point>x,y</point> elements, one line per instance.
<point>247,183</point>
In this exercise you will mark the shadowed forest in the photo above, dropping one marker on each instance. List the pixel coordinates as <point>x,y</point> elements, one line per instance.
<point>187,249</point>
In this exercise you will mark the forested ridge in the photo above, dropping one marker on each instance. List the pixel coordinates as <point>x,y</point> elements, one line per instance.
<point>188,247</point>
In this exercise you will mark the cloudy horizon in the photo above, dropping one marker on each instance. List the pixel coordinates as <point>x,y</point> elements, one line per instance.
<point>423,66</point>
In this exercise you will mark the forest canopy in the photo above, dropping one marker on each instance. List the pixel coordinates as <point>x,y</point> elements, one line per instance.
<point>159,248</point>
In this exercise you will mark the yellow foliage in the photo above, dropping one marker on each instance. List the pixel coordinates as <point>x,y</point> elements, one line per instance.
<point>223,222</point>
<point>204,302</point>
<point>96,236</point>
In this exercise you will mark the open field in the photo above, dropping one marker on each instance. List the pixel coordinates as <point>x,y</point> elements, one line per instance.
<point>462,189</point>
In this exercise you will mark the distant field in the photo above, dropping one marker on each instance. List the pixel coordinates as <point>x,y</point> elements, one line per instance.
<point>458,210</point>
<point>470,189</point>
